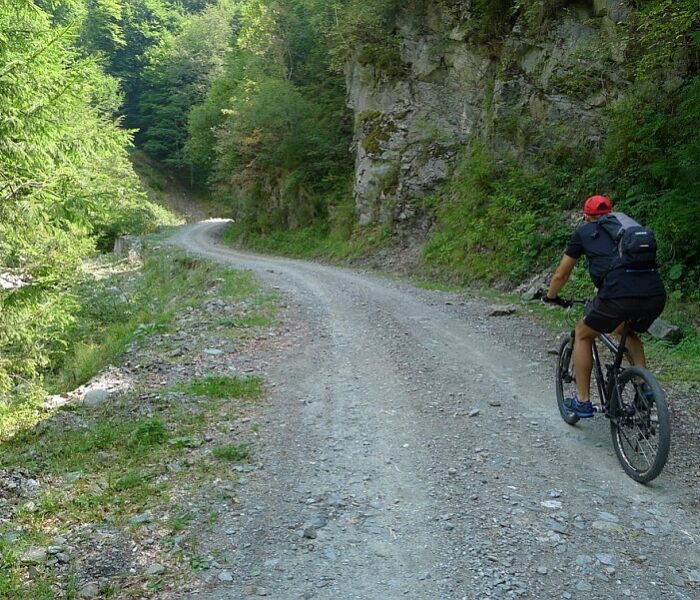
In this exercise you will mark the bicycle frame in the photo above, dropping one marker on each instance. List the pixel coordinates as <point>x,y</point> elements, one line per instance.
<point>607,383</point>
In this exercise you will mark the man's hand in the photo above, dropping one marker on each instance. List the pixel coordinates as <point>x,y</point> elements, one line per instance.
<point>556,301</point>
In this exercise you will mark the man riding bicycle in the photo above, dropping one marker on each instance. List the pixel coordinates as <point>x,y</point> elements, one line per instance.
<point>624,295</point>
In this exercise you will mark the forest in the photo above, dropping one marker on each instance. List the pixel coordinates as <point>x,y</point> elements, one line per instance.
<point>245,101</point>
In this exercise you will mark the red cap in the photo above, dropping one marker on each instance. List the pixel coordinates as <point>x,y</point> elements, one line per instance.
<point>597,205</point>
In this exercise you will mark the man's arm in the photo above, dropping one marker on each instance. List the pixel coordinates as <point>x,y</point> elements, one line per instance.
<point>561,276</point>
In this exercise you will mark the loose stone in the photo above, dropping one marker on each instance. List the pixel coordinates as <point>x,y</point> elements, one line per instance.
<point>155,569</point>
<point>34,556</point>
<point>607,559</point>
<point>141,519</point>
<point>89,590</point>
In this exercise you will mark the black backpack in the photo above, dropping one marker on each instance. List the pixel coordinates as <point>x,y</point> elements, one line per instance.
<point>635,243</point>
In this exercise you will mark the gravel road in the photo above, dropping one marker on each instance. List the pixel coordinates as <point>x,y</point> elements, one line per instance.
<point>411,448</point>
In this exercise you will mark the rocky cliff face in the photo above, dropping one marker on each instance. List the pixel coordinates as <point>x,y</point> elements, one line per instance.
<point>540,86</point>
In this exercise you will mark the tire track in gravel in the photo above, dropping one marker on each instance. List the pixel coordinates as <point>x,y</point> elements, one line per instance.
<point>377,483</point>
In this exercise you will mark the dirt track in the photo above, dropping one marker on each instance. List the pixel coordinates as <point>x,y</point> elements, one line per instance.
<point>412,449</point>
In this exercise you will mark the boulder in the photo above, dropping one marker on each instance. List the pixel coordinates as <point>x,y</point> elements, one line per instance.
<point>34,556</point>
<point>95,397</point>
<point>665,332</point>
<point>9,281</point>
<point>89,590</point>
<point>502,311</point>
<point>530,289</point>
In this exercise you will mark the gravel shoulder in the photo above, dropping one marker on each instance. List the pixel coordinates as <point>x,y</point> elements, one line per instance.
<point>410,448</point>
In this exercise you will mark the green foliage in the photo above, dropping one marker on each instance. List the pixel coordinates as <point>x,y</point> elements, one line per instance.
<point>375,131</point>
<point>142,25</point>
<point>680,363</point>
<point>272,135</point>
<point>491,18</point>
<point>151,432</point>
<point>667,30</point>
<point>105,326</point>
<point>342,240</point>
<point>66,184</point>
<point>119,450</point>
<point>650,161</point>
<point>180,71</point>
<point>495,220</point>
<point>366,31</point>
<point>536,15</point>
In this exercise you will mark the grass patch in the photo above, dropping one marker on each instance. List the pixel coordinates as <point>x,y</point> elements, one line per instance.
<point>57,451</point>
<point>248,321</point>
<point>490,223</point>
<point>181,522</point>
<point>233,452</point>
<point>676,364</point>
<point>109,467</point>
<point>249,388</point>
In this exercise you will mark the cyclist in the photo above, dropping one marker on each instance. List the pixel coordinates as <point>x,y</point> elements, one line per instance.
<point>623,295</point>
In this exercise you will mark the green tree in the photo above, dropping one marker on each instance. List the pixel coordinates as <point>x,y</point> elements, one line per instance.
<point>66,183</point>
<point>180,72</point>
<point>274,131</point>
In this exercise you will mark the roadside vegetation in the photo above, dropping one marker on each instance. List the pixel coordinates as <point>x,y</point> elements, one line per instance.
<point>67,189</point>
<point>121,464</point>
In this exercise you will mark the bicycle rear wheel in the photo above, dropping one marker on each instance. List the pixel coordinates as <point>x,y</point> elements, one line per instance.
<point>566,379</point>
<point>640,424</point>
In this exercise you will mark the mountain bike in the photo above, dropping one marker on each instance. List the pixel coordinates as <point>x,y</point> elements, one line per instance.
<point>631,398</point>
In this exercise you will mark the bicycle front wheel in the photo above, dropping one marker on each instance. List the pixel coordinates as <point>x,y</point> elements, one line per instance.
<point>640,424</point>
<point>566,379</point>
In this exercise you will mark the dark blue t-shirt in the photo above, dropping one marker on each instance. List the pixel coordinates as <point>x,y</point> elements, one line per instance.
<point>599,248</point>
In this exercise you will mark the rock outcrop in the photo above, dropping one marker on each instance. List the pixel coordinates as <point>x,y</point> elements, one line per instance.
<point>539,85</point>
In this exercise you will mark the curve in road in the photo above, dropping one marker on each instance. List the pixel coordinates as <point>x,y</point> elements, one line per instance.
<point>412,449</point>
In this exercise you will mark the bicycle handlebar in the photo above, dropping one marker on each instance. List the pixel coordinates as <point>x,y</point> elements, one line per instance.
<point>558,301</point>
<point>572,301</point>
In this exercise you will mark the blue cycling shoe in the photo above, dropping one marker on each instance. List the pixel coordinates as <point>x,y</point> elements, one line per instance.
<point>583,410</point>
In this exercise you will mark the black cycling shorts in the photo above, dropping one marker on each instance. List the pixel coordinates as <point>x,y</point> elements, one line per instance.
<point>605,315</point>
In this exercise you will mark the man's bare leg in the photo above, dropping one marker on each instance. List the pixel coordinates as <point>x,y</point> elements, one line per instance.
<point>634,347</point>
<point>583,359</point>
